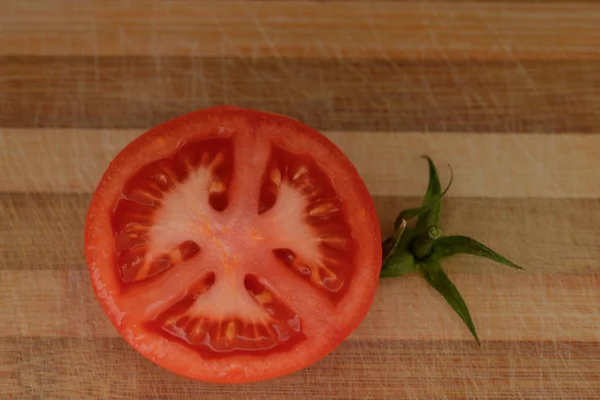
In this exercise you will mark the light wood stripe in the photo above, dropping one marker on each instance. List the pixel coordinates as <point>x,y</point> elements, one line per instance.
<point>557,166</point>
<point>45,231</point>
<point>396,370</point>
<point>412,30</point>
<point>328,94</point>
<point>505,305</point>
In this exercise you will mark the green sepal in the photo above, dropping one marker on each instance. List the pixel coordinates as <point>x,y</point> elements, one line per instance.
<point>391,243</point>
<point>451,245</point>
<point>436,277</point>
<point>401,243</point>
<point>400,261</point>
<point>398,264</point>
<point>432,216</point>
<point>429,204</point>
<point>387,246</point>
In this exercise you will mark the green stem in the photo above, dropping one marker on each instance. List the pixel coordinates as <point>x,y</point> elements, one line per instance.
<point>422,245</point>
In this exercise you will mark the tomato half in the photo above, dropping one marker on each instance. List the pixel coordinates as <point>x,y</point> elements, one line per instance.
<point>233,245</point>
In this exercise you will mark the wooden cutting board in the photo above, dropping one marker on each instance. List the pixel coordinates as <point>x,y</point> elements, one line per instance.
<point>507,92</point>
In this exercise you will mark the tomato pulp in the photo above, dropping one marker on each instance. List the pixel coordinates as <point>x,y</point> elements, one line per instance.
<point>233,245</point>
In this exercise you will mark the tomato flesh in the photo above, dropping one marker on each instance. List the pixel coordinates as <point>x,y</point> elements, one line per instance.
<point>147,191</point>
<point>212,336</point>
<point>243,241</point>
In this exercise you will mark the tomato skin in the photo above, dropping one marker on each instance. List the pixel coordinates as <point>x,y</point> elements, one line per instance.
<point>154,144</point>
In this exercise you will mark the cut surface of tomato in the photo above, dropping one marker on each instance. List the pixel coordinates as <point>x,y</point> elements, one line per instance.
<point>233,245</point>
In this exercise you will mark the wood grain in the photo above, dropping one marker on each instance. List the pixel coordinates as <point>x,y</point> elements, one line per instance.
<point>505,91</point>
<point>415,95</point>
<point>43,231</point>
<point>411,30</point>
<point>505,305</point>
<point>399,369</point>
<point>536,165</point>
<point>557,299</point>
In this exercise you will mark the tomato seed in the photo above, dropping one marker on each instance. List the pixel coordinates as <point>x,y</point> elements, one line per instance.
<point>217,187</point>
<point>322,209</point>
<point>230,332</point>
<point>300,172</point>
<point>264,297</point>
<point>217,161</point>
<point>275,176</point>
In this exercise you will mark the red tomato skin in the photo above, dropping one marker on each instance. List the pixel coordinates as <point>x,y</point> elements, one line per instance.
<point>103,273</point>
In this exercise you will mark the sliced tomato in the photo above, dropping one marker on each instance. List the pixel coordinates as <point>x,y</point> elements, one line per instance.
<point>232,245</point>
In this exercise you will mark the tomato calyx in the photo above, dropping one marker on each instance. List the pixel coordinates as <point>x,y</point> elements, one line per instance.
<point>421,246</point>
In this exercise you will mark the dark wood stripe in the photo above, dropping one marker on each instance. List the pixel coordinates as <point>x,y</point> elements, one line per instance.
<point>42,231</point>
<point>73,368</point>
<point>409,30</point>
<point>45,231</point>
<point>377,95</point>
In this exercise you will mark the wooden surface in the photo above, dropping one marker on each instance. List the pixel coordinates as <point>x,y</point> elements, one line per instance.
<point>508,92</point>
